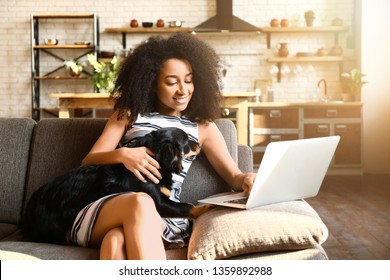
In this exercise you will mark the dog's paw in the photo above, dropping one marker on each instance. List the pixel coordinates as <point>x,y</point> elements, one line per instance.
<point>196,211</point>
<point>165,191</point>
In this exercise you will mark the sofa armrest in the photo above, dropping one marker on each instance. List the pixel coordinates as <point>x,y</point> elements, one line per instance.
<point>245,158</point>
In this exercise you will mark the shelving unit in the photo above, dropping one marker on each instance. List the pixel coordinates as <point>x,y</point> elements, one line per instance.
<point>52,50</point>
<point>295,59</point>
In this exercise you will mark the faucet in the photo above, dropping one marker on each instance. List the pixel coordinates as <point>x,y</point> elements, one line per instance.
<point>325,95</point>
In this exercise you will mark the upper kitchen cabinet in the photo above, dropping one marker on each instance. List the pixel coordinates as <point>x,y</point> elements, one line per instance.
<point>55,39</point>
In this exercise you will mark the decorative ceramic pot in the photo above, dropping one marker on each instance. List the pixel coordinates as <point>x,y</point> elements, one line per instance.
<point>347,97</point>
<point>74,73</point>
<point>160,23</point>
<point>274,22</point>
<point>134,23</point>
<point>283,49</point>
<point>284,22</point>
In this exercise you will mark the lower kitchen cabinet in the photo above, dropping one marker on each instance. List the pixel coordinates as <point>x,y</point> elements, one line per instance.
<point>269,123</point>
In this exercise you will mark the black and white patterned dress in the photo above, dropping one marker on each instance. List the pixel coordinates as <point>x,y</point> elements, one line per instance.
<point>177,229</point>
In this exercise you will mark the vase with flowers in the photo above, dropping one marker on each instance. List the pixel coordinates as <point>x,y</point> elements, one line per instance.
<point>105,74</point>
<point>309,18</point>
<point>75,67</point>
<point>351,84</point>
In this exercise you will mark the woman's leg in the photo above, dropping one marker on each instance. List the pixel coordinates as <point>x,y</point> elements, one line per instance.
<point>141,223</point>
<point>113,246</point>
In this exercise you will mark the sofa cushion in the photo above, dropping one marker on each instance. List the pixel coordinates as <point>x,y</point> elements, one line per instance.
<point>202,180</point>
<point>58,146</point>
<point>14,149</point>
<point>47,251</point>
<point>225,232</point>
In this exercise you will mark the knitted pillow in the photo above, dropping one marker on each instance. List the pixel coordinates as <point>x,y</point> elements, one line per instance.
<point>225,232</point>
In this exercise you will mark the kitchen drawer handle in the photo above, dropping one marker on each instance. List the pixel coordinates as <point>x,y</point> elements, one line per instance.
<point>275,114</point>
<point>275,138</point>
<point>323,128</point>
<point>331,113</point>
<point>341,128</point>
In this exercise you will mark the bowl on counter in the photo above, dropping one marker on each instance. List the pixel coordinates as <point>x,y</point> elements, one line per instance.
<point>107,54</point>
<point>176,23</point>
<point>147,24</point>
<point>79,43</point>
<point>51,41</point>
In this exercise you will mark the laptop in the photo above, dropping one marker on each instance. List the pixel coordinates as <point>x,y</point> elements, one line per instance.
<point>290,170</point>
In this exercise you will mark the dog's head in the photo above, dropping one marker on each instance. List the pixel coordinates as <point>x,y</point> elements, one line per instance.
<point>170,146</point>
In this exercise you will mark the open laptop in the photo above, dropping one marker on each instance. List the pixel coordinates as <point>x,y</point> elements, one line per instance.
<point>290,170</point>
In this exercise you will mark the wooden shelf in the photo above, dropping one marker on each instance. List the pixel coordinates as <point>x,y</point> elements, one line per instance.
<point>64,47</point>
<point>60,78</point>
<point>330,29</point>
<point>61,16</point>
<point>303,29</point>
<point>308,59</point>
<point>144,30</point>
<point>147,29</point>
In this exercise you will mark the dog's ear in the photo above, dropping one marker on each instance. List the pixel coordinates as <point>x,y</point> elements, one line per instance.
<point>170,157</point>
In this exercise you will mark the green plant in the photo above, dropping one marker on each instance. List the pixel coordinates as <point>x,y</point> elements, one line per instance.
<point>105,74</point>
<point>310,14</point>
<point>74,65</point>
<point>352,81</point>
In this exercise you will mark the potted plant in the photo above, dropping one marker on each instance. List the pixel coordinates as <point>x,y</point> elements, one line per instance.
<point>309,17</point>
<point>105,74</point>
<point>75,67</point>
<point>351,83</point>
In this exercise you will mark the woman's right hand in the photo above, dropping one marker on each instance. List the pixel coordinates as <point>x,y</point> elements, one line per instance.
<point>141,163</point>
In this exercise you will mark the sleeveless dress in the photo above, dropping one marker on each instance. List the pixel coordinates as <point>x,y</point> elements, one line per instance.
<point>177,230</point>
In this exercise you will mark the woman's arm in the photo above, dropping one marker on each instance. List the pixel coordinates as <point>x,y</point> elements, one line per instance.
<point>215,149</point>
<point>137,160</point>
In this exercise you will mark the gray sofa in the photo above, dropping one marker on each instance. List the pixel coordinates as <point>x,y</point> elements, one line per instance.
<point>34,153</point>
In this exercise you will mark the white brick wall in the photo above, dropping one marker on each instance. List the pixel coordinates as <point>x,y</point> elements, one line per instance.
<point>244,55</point>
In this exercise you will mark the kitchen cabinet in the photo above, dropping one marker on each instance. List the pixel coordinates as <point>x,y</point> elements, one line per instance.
<point>335,30</point>
<point>270,122</point>
<point>59,52</point>
<point>345,122</point>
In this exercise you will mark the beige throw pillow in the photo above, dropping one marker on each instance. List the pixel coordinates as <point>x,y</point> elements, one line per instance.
<point>225,232</point>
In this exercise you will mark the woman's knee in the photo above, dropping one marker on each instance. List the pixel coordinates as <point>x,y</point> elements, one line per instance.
<point>141,204</point>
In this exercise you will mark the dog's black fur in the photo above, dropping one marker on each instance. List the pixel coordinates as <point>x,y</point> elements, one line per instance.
<point>52,209</point>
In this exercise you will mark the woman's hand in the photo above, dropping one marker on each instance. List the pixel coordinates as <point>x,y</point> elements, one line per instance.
<point>247,182</point>
<point>140,161</point>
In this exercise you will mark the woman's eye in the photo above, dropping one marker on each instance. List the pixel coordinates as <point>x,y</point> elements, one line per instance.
<point>171,83</point>
<point>188,81</point>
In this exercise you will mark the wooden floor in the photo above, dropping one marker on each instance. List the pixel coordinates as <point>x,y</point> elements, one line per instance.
<point>356,210</point>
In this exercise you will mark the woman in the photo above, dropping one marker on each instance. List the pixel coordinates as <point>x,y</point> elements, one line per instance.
<point>164,82</point>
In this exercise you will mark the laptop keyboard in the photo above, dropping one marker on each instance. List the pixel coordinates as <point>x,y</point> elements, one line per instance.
<point>238,201</point>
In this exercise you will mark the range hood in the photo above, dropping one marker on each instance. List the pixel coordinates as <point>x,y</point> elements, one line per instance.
<point>225,21</point>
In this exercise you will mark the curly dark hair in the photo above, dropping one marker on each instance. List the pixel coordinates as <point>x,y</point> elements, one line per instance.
<point>135,87</point>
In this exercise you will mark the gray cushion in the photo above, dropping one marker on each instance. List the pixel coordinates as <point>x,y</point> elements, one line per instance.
<point>14,150</point>
<point>201,180</point>
<point>58,146</point>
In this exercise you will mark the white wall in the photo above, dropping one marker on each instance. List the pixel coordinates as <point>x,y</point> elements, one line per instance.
<point>243,55</point>
<point>376,94</point>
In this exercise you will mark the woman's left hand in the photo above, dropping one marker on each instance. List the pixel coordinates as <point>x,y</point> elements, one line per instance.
<point>247,182</point>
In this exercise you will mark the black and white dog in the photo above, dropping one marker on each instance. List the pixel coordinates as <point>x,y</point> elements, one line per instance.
<point>52,209</point>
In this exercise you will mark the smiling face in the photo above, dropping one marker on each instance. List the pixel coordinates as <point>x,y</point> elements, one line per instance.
<point>174,87</point>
